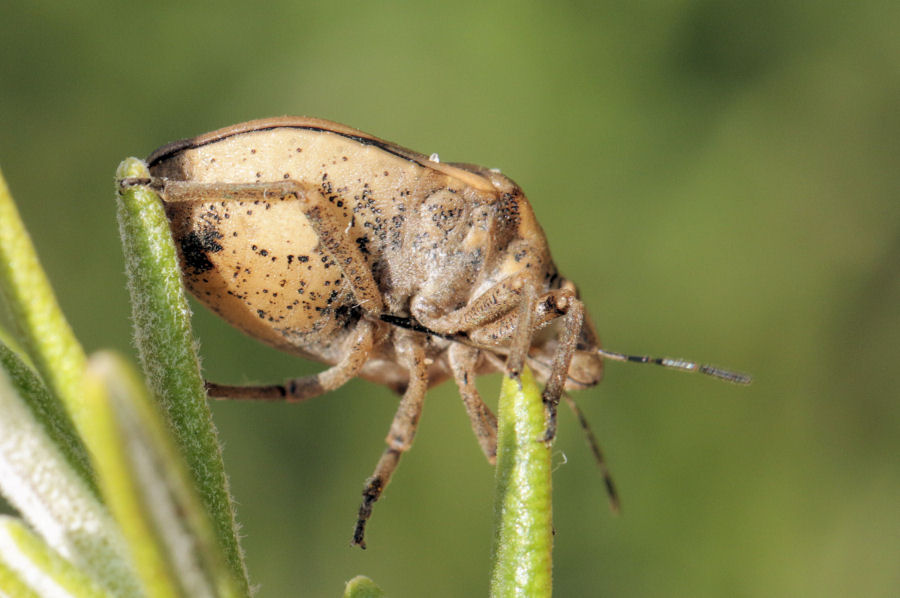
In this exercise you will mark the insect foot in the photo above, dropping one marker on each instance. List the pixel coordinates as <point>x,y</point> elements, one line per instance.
<point>379,262</point>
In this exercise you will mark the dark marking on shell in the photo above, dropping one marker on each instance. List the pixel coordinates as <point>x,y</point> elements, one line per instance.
<point>195,247</point>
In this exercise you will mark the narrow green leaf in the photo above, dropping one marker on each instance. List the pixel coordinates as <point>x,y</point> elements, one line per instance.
<point>12,584</point>
<point>39,567</point>
<point>149,490</point>
<point>362,587</point>
<point>43,328</point>
<point>124,500</point>
<point>168,354</point>
<point>523,531</point>
<point>41,484</point>
<point>13,345</point>
<point>49,412</point>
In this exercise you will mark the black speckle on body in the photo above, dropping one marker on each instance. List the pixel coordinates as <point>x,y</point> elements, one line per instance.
<point>195,247</point>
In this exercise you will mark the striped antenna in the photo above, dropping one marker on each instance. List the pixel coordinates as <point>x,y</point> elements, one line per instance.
<point>680,364</point>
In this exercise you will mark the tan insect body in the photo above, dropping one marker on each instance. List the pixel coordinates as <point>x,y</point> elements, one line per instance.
<point>384,263</point>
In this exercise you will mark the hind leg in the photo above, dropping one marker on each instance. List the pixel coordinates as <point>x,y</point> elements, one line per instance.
<point>356,352</point>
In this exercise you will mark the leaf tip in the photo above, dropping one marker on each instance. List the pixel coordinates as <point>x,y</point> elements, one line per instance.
<point>362,587</point>
<point>132,168</point>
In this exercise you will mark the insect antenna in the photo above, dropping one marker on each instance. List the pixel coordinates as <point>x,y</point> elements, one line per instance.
<point>680,364</point>
<point>591,439</point>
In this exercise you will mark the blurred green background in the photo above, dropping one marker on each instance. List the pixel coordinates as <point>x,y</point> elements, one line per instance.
<point>721,178</point>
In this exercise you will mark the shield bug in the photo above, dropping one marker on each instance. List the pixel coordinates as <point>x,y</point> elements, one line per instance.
<point>380,262</point>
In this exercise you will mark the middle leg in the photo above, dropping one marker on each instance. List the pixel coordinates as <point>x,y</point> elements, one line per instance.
<point>463,361</point>
<point>411,354</point>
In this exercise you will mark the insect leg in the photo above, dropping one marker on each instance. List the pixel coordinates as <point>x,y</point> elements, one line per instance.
<point>521,339</point>
<point>556,382</point>
<point>487,307</point>
<point>548,307</point>
<point>463,360</point>
<point>411,355</point>
<point>356,352</point>
<point>496,309</point>
<point>322,216</point>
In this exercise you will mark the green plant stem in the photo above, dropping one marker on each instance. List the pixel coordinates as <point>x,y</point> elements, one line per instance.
<point>167,351</point>
<point>523,541</point>
<point>42,327</point>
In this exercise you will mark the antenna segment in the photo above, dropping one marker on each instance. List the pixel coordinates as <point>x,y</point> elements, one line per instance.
<point>681,364</point>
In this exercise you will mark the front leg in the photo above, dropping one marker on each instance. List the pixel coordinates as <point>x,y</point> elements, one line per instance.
<point>501,298</point>
<point>548,307</point>
<point>513,297</point>
<point>559,371</point>
<point>507,315</point>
